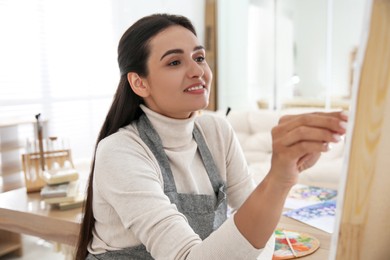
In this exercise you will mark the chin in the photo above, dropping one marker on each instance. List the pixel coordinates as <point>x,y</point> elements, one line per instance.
<point>196,106</point>
<point>203,106</point>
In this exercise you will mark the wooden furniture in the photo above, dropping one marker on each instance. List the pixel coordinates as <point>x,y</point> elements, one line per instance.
<point>25,213</point>
<point>13,138</point>
<point>10,243</point>
<point>13,135</point>
<point>211,49</point>
<point>363,223</point>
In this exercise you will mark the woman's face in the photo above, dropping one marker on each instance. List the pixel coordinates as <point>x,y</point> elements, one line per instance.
<point>179,77</point>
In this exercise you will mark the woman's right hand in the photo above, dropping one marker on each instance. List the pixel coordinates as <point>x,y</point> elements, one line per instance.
<point>299,140</point>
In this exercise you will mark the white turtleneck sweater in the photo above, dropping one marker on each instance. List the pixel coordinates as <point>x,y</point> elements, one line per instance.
<point>129,203</point>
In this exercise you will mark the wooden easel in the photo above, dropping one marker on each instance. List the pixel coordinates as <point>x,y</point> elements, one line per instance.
<point>363,221</point>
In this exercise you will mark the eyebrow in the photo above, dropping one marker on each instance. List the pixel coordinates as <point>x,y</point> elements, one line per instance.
<point>200,47</point>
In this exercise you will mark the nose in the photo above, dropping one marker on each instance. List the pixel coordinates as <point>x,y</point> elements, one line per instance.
<point>195,70</point>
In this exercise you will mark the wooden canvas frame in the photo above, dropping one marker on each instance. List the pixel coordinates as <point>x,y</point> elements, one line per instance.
<point>363,217</point>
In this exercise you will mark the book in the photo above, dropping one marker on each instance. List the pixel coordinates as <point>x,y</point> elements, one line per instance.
<point>303,195</point>
<point>71,194</point>
<point>60,176</point>
<point>76,203</point>
<point>52,191</point>
<point>321,215</point>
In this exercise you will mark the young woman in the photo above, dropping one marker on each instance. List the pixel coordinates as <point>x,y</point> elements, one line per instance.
<point>163,175</point>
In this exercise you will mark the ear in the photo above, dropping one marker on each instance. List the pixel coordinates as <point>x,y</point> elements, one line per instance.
<point>137,84</point>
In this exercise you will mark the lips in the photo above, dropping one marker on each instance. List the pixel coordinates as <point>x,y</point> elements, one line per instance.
<point>194,88</point>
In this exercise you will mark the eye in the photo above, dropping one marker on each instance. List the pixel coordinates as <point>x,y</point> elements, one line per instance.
<point>200,59</point>
<point>174,63</point>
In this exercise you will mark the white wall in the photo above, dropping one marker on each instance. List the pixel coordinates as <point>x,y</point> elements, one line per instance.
<point>347,28</point>
<point>310,21</point>
<point>126,12</point>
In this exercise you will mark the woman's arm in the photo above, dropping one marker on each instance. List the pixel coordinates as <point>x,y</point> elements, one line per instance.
<point>297,145</point>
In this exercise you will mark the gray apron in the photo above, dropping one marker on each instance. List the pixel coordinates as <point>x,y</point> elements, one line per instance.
<point>205,213</point>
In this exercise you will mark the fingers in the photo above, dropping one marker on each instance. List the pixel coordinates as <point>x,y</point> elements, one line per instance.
<point>332,121</point>
<point>299,135</point>
<point>299,140</point>
<point>299,150</point>
<point>307,133</point>
<point>307,161</point>
<point>343,115</point>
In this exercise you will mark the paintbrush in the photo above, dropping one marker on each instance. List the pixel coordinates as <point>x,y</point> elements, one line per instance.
<point>289,244</point>
<point>40,142</point>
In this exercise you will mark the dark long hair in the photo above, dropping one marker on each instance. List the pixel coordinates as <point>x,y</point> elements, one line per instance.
<point>133,54</point>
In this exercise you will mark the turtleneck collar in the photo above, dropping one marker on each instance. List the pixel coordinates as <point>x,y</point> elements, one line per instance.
<point>174,133</point>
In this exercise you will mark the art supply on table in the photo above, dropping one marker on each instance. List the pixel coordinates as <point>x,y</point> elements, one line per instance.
<point>53,191</point>
<point>71,192</point>
<point>304,195</point>
<point>74,198</point>
<point>40,142</point>
<point>291,244</point>
<point>321,215</point>
<point>47,160</point>
<point>78,202</point>
<point>60,176</point>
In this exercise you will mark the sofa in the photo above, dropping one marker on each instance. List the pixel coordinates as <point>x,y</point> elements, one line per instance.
<point>253,130</point>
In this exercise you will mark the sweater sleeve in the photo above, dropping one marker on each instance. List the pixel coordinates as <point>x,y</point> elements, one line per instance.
<point>129,179</point>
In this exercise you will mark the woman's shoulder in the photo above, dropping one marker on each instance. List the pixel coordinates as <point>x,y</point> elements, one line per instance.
<point>125,137</point>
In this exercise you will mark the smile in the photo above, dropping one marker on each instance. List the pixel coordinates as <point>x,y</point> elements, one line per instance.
<point>194,88</point>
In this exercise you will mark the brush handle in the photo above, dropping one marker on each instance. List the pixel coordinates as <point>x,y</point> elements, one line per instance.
<point>40,144</point>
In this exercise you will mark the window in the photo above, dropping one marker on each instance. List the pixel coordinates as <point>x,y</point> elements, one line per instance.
<point>287,53</point>
<point>58,58</point>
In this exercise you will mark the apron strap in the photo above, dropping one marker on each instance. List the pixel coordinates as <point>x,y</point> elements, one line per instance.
<point>208,161</point>
<point>151,138</point>
<point>149,135</point>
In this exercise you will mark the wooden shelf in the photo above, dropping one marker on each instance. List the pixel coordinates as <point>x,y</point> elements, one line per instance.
<point>9,247</point>
<point>11,168</point>
<point>12,146</point>
<point>14,134</point>
<point>10,243</point>
<point>11,122</point>
<point>11,182</point>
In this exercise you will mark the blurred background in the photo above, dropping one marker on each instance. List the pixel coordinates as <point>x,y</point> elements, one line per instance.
<point>58,58</point>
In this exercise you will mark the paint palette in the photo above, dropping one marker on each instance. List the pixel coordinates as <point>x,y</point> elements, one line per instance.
<point>295,245</point>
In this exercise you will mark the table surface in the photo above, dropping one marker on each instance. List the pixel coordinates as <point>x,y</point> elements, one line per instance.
<point>28,214</point>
